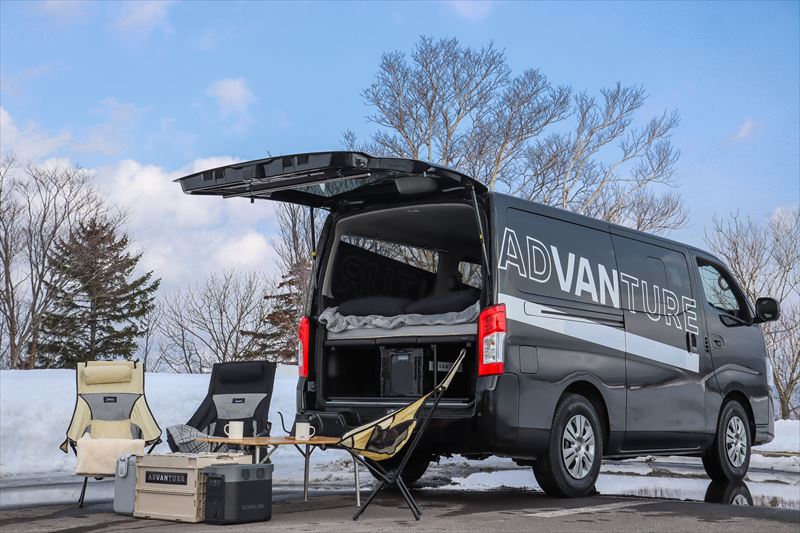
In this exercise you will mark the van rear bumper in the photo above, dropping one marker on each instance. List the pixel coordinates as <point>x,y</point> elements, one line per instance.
<point>488,425</point>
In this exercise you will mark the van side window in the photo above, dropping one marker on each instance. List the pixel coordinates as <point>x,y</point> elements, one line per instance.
<point>719,290</point>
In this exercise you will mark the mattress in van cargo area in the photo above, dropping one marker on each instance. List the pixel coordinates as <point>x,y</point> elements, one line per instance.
<point>404,331</point>
<point>377,325</point>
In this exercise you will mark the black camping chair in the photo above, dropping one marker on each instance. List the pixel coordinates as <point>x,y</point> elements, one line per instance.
<point>386,437</point>
<point>237,391</point>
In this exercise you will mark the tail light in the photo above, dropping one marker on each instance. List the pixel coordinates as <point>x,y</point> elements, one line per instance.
<point>492,340</point>
<point>302,347</point>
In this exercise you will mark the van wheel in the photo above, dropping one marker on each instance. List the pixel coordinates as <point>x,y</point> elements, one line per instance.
<point>729,455</point>
<point>572,462</point>
<point>415,467</point>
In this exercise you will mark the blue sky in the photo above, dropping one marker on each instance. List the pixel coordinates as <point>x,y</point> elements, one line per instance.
<point>139,92</point>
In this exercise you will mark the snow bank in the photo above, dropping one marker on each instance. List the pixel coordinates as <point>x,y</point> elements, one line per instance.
<point>787,438</point>
<point>36,407</point>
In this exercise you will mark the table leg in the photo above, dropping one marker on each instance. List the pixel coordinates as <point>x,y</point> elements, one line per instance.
<point>258,454</point>
<point>305,474</point>
<point>358,484</point>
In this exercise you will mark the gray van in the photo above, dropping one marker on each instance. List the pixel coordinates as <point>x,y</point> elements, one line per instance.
<point>584,339</point>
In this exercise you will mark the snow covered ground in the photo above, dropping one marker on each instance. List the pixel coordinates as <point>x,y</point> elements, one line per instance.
<point>36,406</point>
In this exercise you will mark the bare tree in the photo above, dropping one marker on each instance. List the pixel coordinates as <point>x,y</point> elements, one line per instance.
<point>148,342</point>
<point>766,261</point>
<point>38,206</point>
<point>213,321</point>
<point>459,107</point>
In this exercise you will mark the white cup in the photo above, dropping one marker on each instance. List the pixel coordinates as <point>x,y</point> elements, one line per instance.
<point>234,430</point>
<point>303,430</point>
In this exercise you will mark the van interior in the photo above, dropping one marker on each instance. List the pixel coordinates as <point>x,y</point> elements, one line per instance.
<point>400,297</point>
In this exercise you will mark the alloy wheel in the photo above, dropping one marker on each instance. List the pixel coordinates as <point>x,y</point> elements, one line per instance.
<point>577,446</point>
<point>736,441</point>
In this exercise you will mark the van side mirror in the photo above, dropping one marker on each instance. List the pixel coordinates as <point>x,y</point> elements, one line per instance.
<point>767,310</point>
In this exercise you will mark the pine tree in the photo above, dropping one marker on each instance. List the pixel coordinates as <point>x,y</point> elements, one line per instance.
<point>99,309</point>
<point>280,337</point>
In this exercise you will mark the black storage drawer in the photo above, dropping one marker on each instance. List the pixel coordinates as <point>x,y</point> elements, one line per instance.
<point>402,371</point>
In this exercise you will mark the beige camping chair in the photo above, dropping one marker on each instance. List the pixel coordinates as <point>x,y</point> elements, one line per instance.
<point>386,437</point>
<point>111,418</point>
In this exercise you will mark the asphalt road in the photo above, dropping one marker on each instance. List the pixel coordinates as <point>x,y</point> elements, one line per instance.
<point>443,510</point>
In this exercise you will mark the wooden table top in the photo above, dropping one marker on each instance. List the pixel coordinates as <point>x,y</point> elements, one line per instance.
<point>273,441</point>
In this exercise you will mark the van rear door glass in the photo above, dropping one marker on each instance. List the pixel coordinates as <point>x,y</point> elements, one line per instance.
<point>369,267</point>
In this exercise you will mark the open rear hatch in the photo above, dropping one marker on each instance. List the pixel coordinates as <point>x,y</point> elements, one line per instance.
<point>331,180</point>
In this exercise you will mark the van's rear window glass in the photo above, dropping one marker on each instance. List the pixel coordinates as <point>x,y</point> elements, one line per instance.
<point>421,258</point>
<point>331,188</point>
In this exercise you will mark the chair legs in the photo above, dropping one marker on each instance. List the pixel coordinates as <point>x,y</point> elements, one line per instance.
<point>409,499</point>
<point>83,492</point>
<point>369,500</point>
<point>388,479</point>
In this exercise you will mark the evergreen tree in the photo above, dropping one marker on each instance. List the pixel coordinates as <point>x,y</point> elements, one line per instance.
<point>98,312</point>
<point>286,305</point>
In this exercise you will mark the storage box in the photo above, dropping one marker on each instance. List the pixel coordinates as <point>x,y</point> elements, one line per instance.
<point>125,485</point>
<point>402,371</point>
<point>238,493</point>
<point>172,486</point>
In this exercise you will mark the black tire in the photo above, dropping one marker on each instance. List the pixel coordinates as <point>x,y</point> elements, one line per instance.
<point>550,470</point>
<point>415,467</point>
<point>719,464</point>
<point>728,493</point>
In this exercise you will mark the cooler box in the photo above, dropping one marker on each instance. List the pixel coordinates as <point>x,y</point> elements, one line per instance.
<point>172,486</point>
<point>125,485</point>
<point>238,493</point>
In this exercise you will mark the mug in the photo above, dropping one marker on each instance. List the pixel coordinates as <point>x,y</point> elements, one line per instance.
<point>234,430</point>
<point>303,430</point>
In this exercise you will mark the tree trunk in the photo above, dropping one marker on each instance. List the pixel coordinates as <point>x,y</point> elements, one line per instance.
<point>785,402</point>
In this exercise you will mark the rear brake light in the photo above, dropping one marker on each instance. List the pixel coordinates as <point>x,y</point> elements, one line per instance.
<point>492,340</point>
<point>302,347</point>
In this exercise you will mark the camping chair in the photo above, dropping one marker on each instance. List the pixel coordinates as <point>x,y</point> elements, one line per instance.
<point>237,391</point>
<point>386,437</point>
<point>111,418</point>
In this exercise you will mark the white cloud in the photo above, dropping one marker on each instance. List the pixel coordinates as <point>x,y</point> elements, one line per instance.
<point>110,136</point>
<point>62,12</point>
<point>137,20</point>
<point>471,10</point>
<point>185,237</point>
<point>251,251</point>
<point>233,97</point>
<point>28,144</point>
<point>205,41</point>
<point>181,237</point>
<point>14,84</point>
<point>745,131</point>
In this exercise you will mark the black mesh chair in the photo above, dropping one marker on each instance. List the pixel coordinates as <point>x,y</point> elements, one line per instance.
<point>237,391</point>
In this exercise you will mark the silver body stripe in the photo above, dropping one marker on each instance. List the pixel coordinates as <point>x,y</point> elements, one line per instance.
<point>531,313</point>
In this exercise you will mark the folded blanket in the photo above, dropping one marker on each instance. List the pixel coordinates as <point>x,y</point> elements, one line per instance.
<point>337,322</point>
<point>98,457</point>
<point>185,439</point>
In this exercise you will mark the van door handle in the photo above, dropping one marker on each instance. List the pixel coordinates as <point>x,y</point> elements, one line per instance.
<point>717,341</point>
<point>691,341</point>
